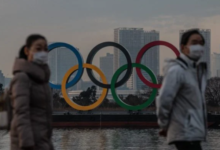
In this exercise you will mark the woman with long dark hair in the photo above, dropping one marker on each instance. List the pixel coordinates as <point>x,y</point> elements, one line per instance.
<point>31,98</point>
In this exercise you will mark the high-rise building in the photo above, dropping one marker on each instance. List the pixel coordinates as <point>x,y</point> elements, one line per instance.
<point>151,58</point>
<point>133,39</point>
<point>106,66</point>
<point>60,61</point>
<point>206,57</point>
<point>215,64</point>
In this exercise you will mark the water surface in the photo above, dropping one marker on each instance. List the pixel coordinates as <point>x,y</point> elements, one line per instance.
<point>114,139</point>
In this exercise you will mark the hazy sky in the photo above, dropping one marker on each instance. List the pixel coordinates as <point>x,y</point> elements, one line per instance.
<point>85,23</point>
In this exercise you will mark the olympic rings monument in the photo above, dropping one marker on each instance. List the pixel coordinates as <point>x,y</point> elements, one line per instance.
<point>114,81</point>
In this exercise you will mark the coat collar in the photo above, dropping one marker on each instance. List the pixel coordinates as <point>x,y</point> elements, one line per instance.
<point>186,62</point>
<point>39,73</point>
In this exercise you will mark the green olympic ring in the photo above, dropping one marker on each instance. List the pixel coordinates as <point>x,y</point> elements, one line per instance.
<point>119,101</point>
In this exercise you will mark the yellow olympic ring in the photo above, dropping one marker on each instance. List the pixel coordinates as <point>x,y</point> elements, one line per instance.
<point>70,102</point>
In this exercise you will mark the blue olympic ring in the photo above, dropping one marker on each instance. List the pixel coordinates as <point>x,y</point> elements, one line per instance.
<point>80,63</point>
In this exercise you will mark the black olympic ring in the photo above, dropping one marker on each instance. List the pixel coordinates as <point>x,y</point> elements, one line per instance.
<point>99,47</point>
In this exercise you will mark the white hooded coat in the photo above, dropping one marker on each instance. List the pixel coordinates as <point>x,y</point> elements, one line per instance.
<point>181,108</point>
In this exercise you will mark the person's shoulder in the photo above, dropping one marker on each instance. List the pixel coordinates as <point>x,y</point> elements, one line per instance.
<point>172,66</point>
<point>176,68</point>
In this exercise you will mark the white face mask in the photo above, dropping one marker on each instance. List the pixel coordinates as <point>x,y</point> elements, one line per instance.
<point>196,51</point>
<point>41,58</point>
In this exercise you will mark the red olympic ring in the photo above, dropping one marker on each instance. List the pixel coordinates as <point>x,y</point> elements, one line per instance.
<point>142,52</point>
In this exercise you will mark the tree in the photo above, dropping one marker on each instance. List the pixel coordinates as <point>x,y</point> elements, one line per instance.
<point>87,97</point>
<point>159,79</point>
<point>133,100</point>
<point>212,93</point>
<point>146,91</point>
<point>2,102</point>
<point>105,103</point>
<point>1,88</point>
<point>58,102</point>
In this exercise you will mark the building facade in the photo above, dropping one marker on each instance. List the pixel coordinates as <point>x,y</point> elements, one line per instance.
<point>133,39</point>
<point>60,61</point>
<point>106,66</point>
<point>151,58</point>
<point>207,55</point>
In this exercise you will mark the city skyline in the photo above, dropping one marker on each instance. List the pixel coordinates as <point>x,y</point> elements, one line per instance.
<point>205,32</point>
<point>133,39</point>
<point>85,24</point>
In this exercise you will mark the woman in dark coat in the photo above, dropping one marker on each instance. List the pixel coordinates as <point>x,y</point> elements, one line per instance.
<point>31,98</point>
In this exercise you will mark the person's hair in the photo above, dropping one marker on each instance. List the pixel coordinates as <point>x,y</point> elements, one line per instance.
<point>29,41</point>
<point>22,53</point>
<point>32,38</point>
<point>186,36</point>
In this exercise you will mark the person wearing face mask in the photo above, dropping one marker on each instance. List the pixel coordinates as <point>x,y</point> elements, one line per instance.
<point>31,98</point>
<point>181,108</point>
